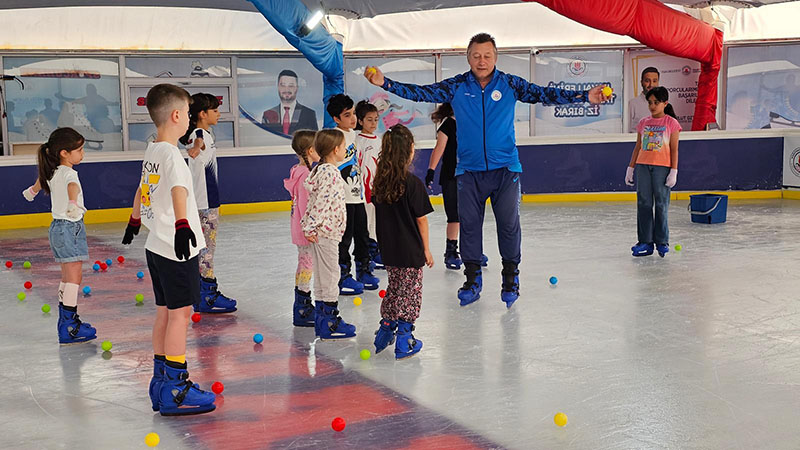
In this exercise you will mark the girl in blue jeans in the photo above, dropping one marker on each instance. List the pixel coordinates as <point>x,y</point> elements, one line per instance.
<point>56,158</point>
<point>655,165</point>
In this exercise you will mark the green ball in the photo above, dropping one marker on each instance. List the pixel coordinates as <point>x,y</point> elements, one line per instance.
<point>45,308</point>
<point>21,296</point>
<point>106,346</point>
<point>139,298</point>
<point>678,247</point>
<point>26,264</point>
<point>365,354</point>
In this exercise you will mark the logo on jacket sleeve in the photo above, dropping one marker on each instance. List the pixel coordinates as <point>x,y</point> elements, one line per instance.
<point>496,95</point>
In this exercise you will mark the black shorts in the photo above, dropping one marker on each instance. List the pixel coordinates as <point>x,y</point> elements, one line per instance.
<point>175,284</point>
<point>450,197</point>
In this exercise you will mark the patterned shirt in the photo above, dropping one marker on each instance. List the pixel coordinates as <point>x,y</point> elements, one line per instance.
<point>326,215</point>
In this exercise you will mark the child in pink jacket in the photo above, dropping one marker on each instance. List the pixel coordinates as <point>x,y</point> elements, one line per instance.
<point>303,145</point>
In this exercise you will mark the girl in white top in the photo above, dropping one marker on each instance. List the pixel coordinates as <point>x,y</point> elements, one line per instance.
<point>368,149</point>
<point>199,142</point>
<point>56,158</point>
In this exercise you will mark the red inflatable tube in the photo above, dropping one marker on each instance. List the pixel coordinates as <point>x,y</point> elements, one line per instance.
<point>661,28</point>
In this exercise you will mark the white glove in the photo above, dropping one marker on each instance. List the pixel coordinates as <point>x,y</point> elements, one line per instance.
<point>29,194</point>
<point>74,211</point>
<point>629,176</point>
<point>672,178</point>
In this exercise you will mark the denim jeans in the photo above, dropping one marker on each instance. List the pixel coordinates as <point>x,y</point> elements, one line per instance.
<point>651,191</point>
<point>68,240</point>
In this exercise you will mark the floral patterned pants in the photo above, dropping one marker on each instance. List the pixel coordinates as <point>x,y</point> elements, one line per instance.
<point>403,297</point>
<point>305,266</point>
<point>209,220</point>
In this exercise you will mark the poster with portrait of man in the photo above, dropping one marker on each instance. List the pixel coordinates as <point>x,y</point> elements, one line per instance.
<point>277,96</point>
<point>678,75</point>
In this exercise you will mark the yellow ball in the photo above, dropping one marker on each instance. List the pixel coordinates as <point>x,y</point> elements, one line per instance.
<point>560,419</point>
<point>357,301</point>
<point>607,91</point>
<point>371,71</point>
<point>152,439</point>
<point>365,354</point>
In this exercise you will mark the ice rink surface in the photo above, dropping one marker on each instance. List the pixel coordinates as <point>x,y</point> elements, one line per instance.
<point>693,351</point>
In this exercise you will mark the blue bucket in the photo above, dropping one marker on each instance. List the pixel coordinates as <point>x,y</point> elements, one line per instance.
<point>708,208</point>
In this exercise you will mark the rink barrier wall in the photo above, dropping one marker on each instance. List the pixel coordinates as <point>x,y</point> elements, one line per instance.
<point>742,165</point>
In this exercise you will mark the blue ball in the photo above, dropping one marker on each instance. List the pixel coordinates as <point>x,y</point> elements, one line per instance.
<point>140,275</point>
<point>108,262</point>
<point>553,280</point>
<point>258,338</point>
<point>87,290</point>
<point>96,267</point>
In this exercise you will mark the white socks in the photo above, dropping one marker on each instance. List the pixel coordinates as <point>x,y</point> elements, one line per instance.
<point>70,296</point>
<point>61,292</point>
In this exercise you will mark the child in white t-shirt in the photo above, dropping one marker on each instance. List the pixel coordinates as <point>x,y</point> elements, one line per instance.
<point>199,142</point>
<point>368,149</point>
<point>166,205</point>
<point>341,108</point>
<point>56,158</point>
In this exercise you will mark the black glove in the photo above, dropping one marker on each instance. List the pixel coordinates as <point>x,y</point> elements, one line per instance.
<point>183,234</point>
<point>131,230</point>
<point>429,178</point>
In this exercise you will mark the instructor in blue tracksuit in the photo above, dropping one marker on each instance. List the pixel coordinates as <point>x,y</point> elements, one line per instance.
<point>488,161</point>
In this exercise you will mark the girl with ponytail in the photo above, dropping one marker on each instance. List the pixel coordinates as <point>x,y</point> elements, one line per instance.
<point>57,177</point>
<point>199,142</point>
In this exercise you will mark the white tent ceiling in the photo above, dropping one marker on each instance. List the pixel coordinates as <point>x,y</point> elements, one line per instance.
<point>361,8</point>
<point>122,26</point>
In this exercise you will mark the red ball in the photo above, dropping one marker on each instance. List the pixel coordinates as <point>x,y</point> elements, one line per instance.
<point>28,285</point>
<point>9,264</point>
<point>217,387</point>
<point>121,259</point>
<point>196,317</point>
<point>98,262</point>
<point>103,266</point>
<point>382,293</point>
<point>338,424</point>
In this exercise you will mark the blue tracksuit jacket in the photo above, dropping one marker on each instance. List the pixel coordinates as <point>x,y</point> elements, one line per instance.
<point>485,116</point>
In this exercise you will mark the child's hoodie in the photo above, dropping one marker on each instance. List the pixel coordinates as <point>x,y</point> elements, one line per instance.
<point>294,184</point>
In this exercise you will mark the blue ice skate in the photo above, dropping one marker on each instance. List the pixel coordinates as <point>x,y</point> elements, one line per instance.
<point>365,277</point>
<point>510,288</point>
<point>211,299</point>
<point>70,328</point>
<point>662,249</point>
<point>641,249</point>
<point>406,344</point>
<point>328,324</point>
<point>303,309</point>
<point>156,381</point>
<point>347,284</point>
<point>452,260</point>
<point>384,336</point>
<point>180,397</point>
<point>470,292</point>
<point>376,261</point>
